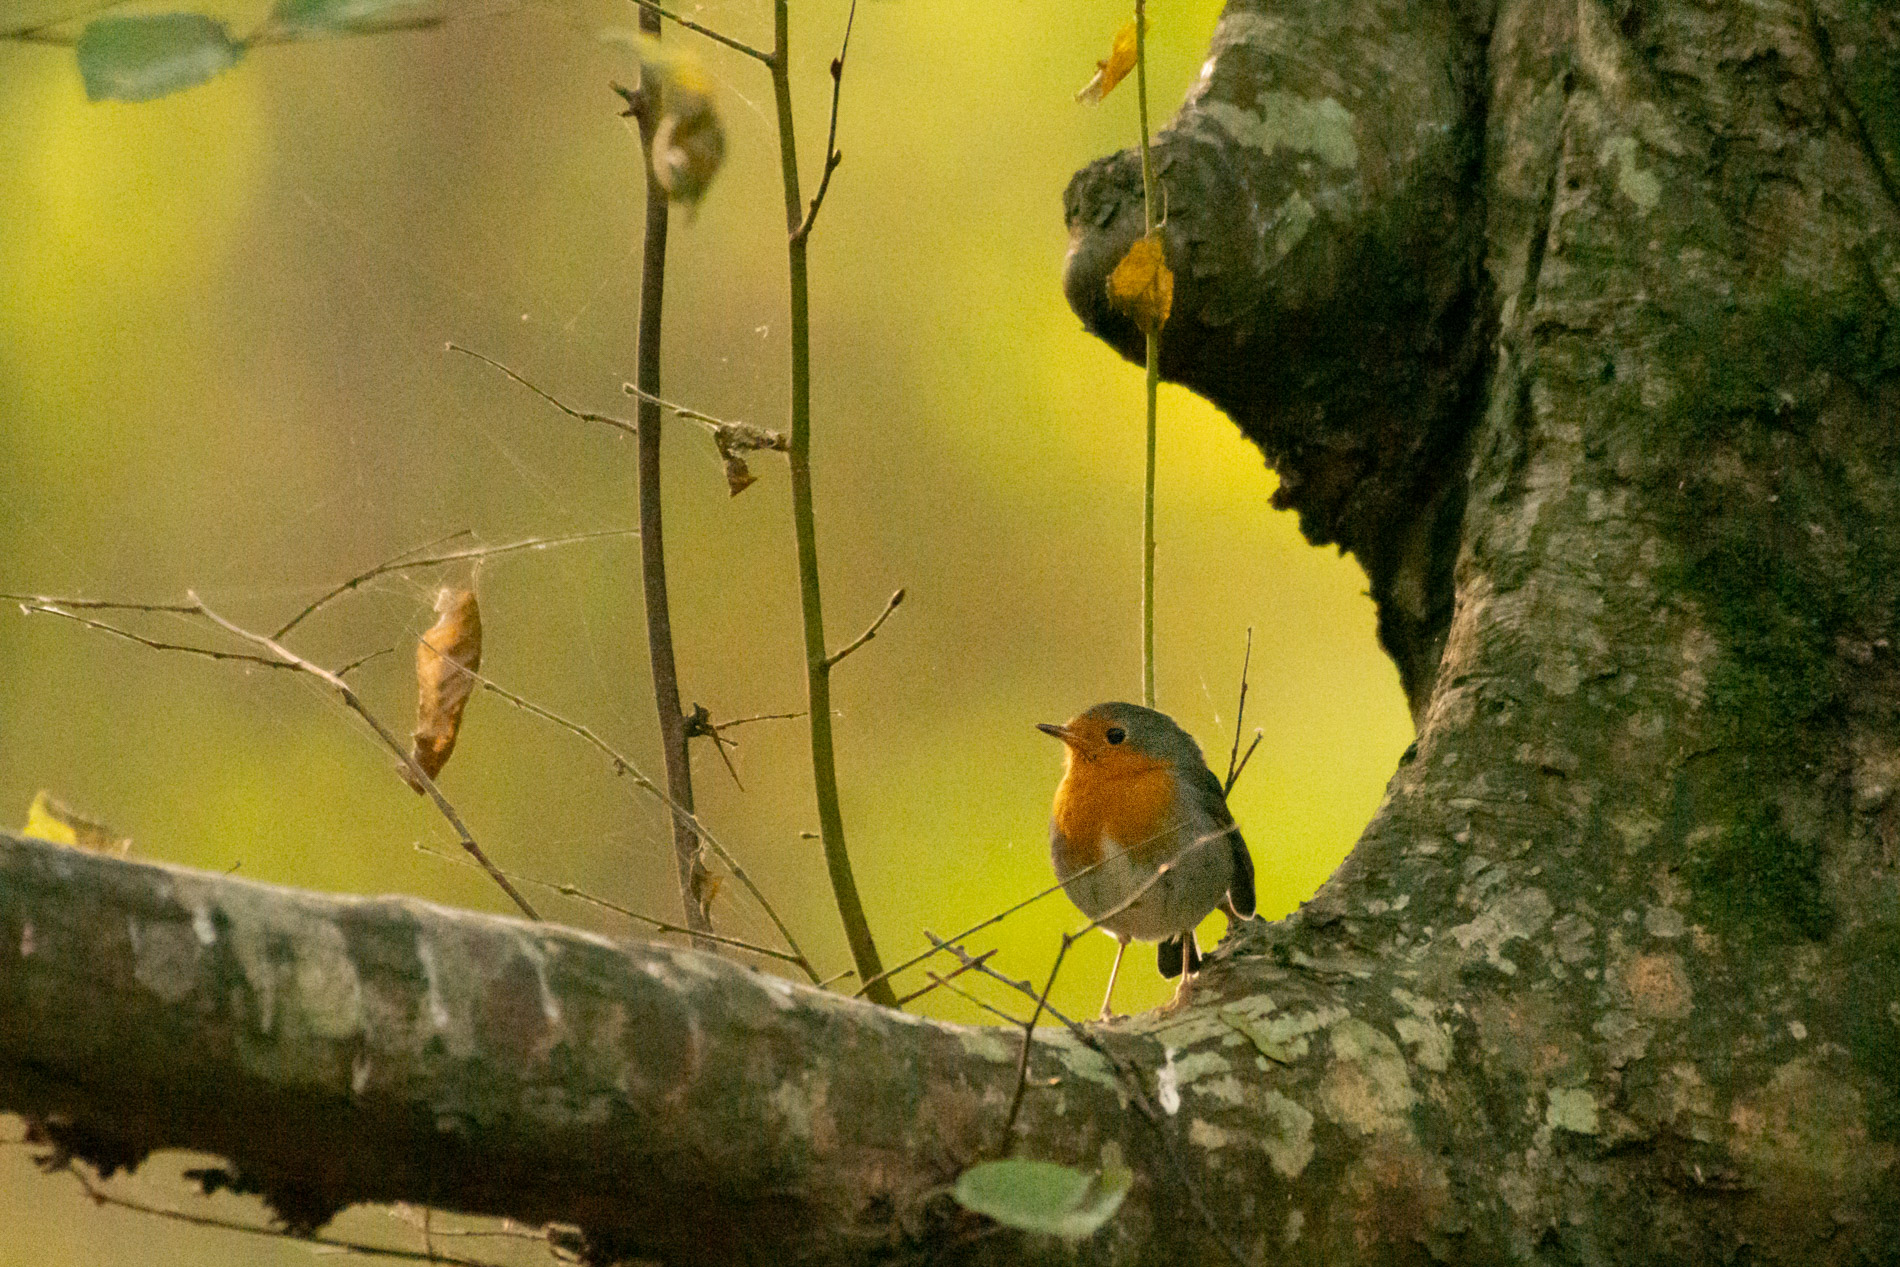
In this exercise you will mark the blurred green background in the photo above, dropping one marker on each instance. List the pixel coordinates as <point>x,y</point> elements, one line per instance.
<point>222,319</point>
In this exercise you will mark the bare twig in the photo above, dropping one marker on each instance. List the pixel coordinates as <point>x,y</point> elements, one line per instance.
<point>102,604</point>
<point>944,980</point>
<point>736,46</point>
<point>711,424</point>
<point>39,30</point>
<point>744,721</point>
<point>1029,1036</point>
<point>55,608</point>
<point>101,1196</point>
<point>1245,757</point>
<point>362,660</point>
<point>623,765</point>
<point>1240,713</point>
<point>832,155</point>
<point>355,704</point>
<point>407,562</point>
<point>824,759</point>
<point>997,918</point>
<point>581,895</point>
<point>968,997</point>
<point>581,415</point>
<point>700,725</point>
<point>688,857</point>
<point>939,946</point>
<point>868,634</point>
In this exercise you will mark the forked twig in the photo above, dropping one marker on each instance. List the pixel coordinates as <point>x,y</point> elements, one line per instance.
<point>1240,713</point>
<point>623,765</point>
<point>832,155</point>
<point>581,895</point>
<point>407,562</point>
<point>281,657</point>
<point>736,46</point>
<point>57,607</point>
<point>100,1196</point>
<point>579,415</point>
<point>937,980</point>
<point>1130,1079</point>
<point>355,704</point>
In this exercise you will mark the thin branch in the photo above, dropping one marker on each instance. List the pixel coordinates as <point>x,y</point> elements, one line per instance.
<point>581,895</point>
<point>744,721</point>
<point>362,660</point>
<point>102,604</point>
<point>581,415</point>
<point>735,45</point>
<point>102,1197</point>
<point>705,420</point>
<point>868,634</point>
<point>1245,757</point>
<point>937,980</point>
<point>37,32</point>
<point>738,437</point>
<point>832,155</point>
<point>983,968</point>
<point>623,765</point>
<point>939,946</point>
<point>355,704</point>
<point>689,862</point>
<point>406,562</point>
<point>1240,713</point>
<point>968,997</point>
<point>50,608</point>
<point>824,757</point>
<point>1029,1035</point>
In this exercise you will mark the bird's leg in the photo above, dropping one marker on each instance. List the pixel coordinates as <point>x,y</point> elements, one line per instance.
<point>1190,960</point>
<point>1108,996</point>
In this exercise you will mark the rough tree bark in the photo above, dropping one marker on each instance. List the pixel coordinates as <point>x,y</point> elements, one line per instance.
<point>1572,320</point>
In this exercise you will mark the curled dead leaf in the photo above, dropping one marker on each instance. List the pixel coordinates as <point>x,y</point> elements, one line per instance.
<point>50,819</point>
<point>1142,285</point>
<point>736,438</point>
<point>1121,60</point>
<point>447,657</point>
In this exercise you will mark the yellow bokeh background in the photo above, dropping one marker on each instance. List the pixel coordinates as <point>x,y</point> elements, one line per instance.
<point>222,319</point>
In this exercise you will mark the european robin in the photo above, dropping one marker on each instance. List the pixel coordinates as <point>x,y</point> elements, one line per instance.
<point>1142,838</point>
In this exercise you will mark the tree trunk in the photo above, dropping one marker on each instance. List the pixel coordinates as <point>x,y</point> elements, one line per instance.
<point>1573,323</point>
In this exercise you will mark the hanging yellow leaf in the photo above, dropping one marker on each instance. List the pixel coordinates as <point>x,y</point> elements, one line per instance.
<point>447,657</point>
<point>1142,286</point>
<point>1121,60</point>
<point>49,819</point>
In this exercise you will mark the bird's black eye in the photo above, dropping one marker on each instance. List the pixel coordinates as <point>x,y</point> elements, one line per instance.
<point>1116,734</point>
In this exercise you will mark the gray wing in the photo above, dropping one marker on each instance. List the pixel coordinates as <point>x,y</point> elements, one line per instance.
<point>1205,791</point>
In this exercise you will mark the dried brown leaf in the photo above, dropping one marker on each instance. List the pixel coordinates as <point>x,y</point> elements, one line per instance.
<point>49,818</point>
<point>1142,285</point>
<point>447,657</point>
<point>735,438</point>
<point>1121,60</point>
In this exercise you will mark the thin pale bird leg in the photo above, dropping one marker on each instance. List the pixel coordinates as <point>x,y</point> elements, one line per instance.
<point>1108,996</point>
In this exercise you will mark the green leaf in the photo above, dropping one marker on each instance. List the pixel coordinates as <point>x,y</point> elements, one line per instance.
<point>1040,1196</point>
<point>139,58</point>
<point>354,17</point>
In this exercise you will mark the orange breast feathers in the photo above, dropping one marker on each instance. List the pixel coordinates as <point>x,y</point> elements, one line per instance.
<point>1126,796</point>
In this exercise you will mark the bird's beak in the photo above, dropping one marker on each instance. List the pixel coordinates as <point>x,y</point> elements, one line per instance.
<point>1060,732</point>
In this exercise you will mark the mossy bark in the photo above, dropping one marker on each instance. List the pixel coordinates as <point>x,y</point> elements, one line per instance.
<point>1655,524</point>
